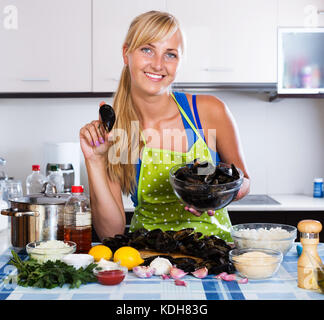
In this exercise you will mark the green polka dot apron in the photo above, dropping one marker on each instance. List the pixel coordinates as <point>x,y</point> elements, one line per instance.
<point>158,206</point>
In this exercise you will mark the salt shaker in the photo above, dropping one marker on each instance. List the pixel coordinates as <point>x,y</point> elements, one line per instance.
<point>309,238</point>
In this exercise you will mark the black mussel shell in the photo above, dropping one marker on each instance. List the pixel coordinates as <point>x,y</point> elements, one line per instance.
<point>108,116</point>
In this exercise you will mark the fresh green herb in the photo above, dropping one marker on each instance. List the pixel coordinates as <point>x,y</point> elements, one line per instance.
<point>51,274</point>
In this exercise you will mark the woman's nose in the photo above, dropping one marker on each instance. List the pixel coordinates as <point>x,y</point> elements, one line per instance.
<point>157,62</point>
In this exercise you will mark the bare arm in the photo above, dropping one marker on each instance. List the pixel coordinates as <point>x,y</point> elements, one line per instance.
<point>222,135</point>
<point>106,202</point>
<point>229,147</point>
<point>105,196</point>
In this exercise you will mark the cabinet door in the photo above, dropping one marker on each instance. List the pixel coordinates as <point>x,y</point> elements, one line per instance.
<point>111,20</point>
<point>50,48</point>
<point>300,13</point>
<point>227,40</point>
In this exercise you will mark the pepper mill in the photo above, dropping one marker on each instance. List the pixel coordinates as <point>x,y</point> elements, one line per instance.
<point>309,238</point>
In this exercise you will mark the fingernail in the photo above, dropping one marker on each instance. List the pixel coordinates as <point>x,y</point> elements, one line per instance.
<point>97,143</point>
<point>92,143</point>
<point>101,140</point>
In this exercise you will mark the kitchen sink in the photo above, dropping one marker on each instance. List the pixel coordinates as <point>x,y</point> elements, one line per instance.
<point>256,199</point>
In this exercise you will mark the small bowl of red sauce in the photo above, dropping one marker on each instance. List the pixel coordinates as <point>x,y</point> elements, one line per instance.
<point>111,277</point>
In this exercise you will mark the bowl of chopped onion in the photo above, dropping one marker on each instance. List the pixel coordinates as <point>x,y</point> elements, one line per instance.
<point>264,236</point>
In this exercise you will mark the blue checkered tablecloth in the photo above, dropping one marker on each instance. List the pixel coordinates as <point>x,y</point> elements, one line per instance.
<point>282,286</point>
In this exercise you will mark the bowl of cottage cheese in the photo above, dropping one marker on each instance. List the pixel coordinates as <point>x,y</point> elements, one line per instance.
<point>264,236</point>
<point>53,250</point>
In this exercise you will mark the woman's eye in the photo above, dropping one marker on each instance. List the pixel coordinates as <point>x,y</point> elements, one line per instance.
<point>146,50</point>
<point>171,55</point>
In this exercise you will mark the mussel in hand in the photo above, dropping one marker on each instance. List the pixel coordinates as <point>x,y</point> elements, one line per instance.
<point>107,115</point>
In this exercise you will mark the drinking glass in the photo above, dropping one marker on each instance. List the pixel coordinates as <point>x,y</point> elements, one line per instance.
<point>14,189</point>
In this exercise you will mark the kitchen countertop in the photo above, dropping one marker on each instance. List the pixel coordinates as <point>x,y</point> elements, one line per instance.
<point>288,202</point>
<point>282,286</point>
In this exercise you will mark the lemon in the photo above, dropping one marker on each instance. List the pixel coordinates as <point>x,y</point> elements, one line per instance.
<point>100,252</point>
<point>128,257</point>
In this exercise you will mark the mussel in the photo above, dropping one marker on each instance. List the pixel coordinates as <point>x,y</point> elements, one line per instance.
<point>206,172</point>
<point>107,115</point>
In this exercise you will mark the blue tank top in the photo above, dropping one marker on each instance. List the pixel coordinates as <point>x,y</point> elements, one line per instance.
<point>191,135</point>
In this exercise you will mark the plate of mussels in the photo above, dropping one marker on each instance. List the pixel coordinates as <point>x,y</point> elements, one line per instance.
<point>205,186</point>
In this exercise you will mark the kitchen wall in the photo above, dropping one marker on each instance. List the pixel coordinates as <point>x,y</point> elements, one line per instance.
<point>283,141</point>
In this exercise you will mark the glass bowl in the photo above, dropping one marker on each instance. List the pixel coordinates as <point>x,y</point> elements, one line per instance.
<point>203,197</point>
<point>53,250</point>
<point>264,236</point>
<point>256,263</point>
<point>111,276</point>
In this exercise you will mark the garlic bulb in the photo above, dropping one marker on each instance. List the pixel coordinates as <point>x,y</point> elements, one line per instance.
<point>161,266</point>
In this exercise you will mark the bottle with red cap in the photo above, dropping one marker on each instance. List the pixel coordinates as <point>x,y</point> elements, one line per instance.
<point>35,181</point>
<point>77,220</point>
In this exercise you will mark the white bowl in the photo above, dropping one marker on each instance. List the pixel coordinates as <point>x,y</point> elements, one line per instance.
<point>78,260</point>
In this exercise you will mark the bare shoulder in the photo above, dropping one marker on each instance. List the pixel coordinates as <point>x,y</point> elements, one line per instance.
<point>211,108</point>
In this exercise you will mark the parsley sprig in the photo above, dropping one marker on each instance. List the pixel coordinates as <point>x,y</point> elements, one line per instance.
<point>51,274</point>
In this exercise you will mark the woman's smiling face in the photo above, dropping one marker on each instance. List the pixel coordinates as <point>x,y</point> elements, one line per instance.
<point>153,66</point>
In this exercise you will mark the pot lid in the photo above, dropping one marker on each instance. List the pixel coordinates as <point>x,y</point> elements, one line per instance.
<point>41,198</point>
<point>47,196</point>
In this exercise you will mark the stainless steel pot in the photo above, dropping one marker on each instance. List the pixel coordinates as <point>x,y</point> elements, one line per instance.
<point>37,217</point>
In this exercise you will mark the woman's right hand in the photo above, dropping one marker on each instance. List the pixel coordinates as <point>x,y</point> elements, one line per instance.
<point>94,141</point>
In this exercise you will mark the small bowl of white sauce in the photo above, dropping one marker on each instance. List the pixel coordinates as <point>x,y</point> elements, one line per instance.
<point>254,263</point>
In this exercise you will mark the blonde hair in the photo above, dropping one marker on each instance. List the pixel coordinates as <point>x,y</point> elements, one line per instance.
<point>146,28</point>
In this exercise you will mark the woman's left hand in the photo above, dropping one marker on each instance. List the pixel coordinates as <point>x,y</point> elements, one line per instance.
<point>198,213</point>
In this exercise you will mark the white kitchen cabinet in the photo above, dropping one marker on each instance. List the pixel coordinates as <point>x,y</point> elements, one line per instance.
<point>228,41</point>
<point>300,13</point>
<point>50,48</point>
<point>111,20</point>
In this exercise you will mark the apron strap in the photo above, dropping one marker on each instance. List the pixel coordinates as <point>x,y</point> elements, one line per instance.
<point>186,117</point>
<point>143,138</point>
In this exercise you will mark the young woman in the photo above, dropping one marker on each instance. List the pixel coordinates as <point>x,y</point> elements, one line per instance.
<point>155,129</point>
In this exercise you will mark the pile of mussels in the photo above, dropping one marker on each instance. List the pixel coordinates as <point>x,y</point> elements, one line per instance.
<point>212,250</point>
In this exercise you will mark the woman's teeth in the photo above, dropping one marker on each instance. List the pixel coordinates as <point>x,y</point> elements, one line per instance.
<point>154,76</point>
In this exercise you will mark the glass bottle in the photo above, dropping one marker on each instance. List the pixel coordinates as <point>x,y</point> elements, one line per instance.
<point>55,177</point>
<point>3,175</point>
<point>77,220</point>
<point>35,181</point>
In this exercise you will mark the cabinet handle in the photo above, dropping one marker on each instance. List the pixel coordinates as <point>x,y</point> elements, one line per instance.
<point>218,69</point>
<point>35,80</point>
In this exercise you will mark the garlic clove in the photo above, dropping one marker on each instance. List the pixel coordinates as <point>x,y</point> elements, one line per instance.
<point>200,273</point>
<point>143,271</point>
<point>176,273</point>
<point>165,276</point>
<point>220,276</point>
<point>243,281</point>
<point>229,277</point>
<point>180,282</point>
<point>226,276</point>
